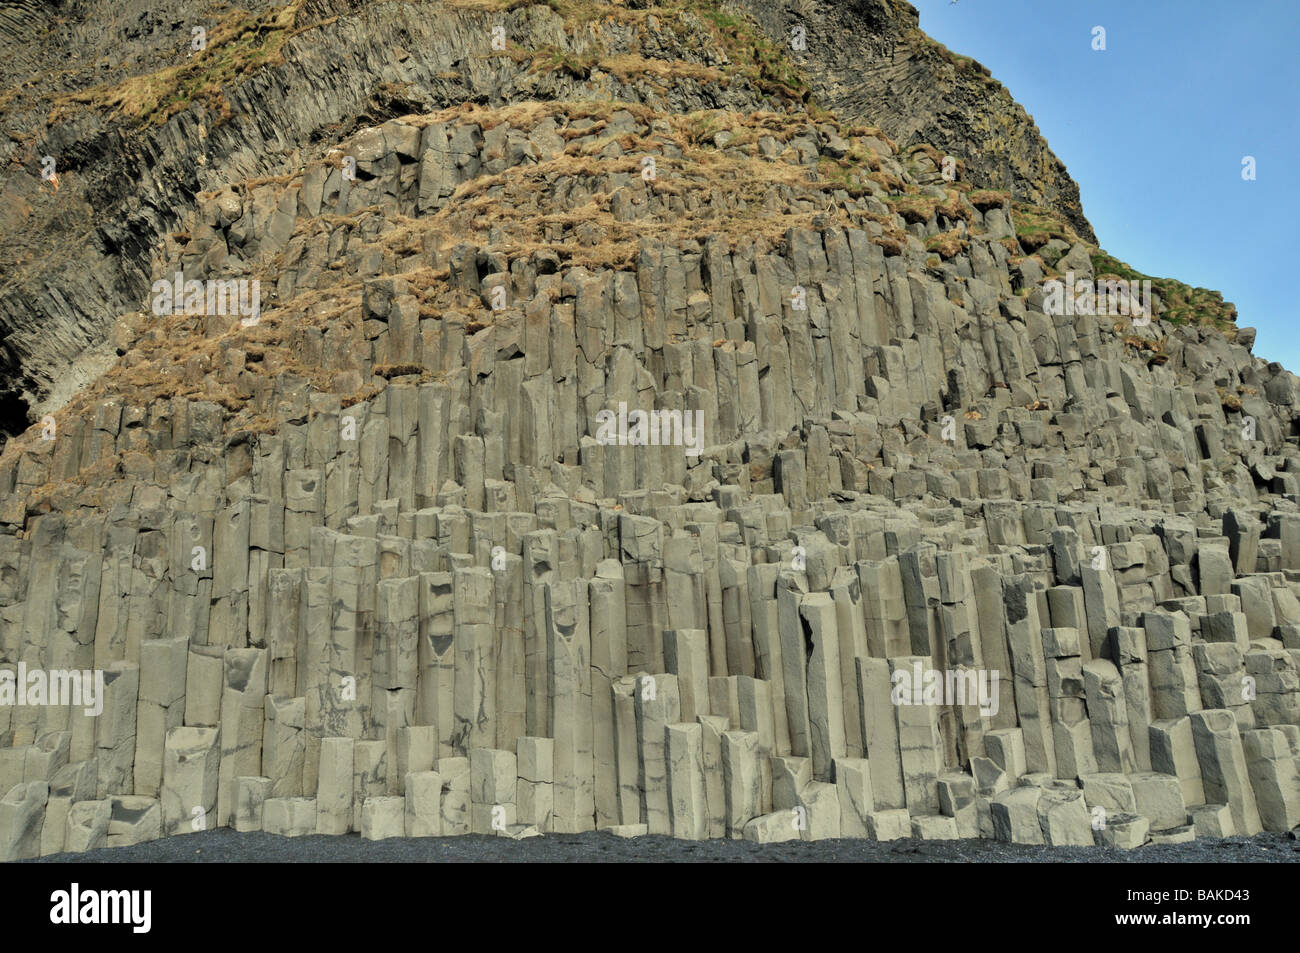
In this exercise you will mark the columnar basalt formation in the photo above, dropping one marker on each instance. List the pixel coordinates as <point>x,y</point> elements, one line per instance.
<point>900,553</point>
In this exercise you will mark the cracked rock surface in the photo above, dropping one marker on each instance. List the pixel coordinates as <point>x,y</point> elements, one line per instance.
<point>900,554</point>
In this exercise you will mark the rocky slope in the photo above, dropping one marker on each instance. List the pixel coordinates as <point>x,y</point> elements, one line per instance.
<point>869,60</point>
<point>369,560</point>
<point>138,121</point>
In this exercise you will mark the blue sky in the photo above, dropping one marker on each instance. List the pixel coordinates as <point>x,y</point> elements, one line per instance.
<point>1155,127</point>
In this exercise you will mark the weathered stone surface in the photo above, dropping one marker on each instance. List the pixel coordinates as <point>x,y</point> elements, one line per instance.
<point>87,826</point>
<point>383,817</point>
<point>133,820</point>
<point>334,786</point>
<point>1015,816</point>
<point>423,808</point>
<point>250,803</point>
<point>289,816</point>
<point>189,782</point>
<point>414,556</point>
<point>1274,777</point>
<point>1224,769</point>
<point>1125,831</point>
<point>22,814</point>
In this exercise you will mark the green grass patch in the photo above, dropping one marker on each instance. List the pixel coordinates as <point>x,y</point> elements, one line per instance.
<point>1184,303</point>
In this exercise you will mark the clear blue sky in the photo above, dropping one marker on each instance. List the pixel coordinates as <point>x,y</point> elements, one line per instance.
<point>1154,130</point>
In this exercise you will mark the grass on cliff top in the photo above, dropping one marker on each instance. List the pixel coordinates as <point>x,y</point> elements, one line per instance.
<point>985,199</point>
<point>948,244</point>
<point>916,208</point>
<point>1184,304</point>
<point>1036,226</point>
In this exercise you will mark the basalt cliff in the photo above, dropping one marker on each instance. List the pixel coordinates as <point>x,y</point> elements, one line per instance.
<point>488,416</point>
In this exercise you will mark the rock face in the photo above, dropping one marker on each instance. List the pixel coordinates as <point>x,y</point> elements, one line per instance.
<point>869,60</point>
<point>137,121</point>
<point>600,464</point>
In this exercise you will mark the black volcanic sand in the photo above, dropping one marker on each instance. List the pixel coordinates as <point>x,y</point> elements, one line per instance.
<point>227,846</point>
